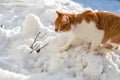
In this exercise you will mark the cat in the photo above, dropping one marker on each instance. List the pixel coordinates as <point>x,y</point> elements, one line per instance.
<point>100,29</point>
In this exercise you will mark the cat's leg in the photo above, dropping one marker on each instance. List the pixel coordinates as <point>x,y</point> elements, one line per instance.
<point>93,46</point>
<point>103,49</point>
<point>69,44</point>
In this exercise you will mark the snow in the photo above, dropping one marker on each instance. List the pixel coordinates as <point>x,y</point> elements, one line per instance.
<point>24,58</point>
<point>31,26</point>
<point>6,75</point>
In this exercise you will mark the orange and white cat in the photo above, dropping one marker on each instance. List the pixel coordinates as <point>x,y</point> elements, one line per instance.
<point>98,28</point>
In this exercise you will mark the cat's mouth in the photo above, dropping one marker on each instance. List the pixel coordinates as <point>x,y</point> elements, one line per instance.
<point>59,30</point>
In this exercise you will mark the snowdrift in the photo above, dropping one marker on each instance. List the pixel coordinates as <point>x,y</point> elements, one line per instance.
<point>49,63</point>
<point>25,55</point>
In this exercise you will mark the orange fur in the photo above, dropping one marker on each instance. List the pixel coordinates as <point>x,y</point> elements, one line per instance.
<point>106,21</point>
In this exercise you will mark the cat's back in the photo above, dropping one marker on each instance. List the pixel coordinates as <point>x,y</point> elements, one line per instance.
<point>108,20</point>
<point>108,17</point>
<point>107,14</point>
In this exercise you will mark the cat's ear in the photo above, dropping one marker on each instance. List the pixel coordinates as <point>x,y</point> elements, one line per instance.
<point>59,13</point>
<point>65,19</point>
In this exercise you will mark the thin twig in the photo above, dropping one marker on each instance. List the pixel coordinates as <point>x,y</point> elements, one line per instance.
<point>35,39</point>
<point>43,35</point>
<point>42,47</point>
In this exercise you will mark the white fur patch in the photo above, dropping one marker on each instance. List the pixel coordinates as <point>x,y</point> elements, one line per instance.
<point>88,32</point>
<point>65,19</point>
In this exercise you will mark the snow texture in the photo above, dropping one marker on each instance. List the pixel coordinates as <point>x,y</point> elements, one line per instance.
<point>25,55</point>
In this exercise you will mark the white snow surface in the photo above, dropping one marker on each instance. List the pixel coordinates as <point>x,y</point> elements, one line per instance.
<point>18,61</point>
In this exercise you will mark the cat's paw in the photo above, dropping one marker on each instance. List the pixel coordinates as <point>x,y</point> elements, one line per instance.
<point>91,50</point>
<point>64,48</point>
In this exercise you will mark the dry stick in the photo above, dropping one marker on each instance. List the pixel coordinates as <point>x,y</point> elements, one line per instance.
<point>42,47</point>
<point>35,39</point>
<point>43,35</point>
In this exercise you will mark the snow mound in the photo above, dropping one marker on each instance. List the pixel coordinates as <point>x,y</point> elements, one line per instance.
<point>6,75</point>
<point>31,25</point>
<point>49,63</point>
<point>26,56</point>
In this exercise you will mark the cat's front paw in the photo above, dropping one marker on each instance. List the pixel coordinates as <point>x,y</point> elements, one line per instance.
<point>64,48</point>
<point>91,50</point>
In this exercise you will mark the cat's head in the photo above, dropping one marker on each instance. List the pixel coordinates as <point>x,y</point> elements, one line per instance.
<point>62,22</point>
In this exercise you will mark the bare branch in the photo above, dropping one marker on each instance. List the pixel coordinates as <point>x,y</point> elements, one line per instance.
<point>35,39</point>
<point>43,35</point>
<point>38,50</point>
<point>42,47</point>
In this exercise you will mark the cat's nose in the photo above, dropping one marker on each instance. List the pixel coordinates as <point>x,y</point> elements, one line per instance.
<point>56,29</point>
